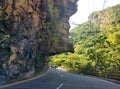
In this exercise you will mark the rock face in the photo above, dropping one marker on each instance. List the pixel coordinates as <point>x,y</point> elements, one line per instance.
<point>30,31</point>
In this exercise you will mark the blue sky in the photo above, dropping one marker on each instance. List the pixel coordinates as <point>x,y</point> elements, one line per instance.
<point>85,7</point>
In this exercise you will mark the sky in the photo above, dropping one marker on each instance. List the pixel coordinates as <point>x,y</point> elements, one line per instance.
<point>85,7</point>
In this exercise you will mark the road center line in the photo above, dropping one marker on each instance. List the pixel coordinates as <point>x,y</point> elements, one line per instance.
<point>60,86</point>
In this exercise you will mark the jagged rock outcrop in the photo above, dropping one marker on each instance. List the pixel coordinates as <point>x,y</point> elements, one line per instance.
<point>30,31</point>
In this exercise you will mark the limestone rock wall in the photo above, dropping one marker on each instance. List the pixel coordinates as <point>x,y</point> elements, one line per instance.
<point>30,31</point>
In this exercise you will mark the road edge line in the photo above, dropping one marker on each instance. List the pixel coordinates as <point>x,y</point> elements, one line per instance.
<point>22,81</point>
<point>60,86</point>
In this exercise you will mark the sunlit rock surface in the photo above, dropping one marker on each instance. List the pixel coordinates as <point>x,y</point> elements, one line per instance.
<point>30,31</point>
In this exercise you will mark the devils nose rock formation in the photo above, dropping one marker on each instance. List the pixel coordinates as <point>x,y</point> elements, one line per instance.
<point>30,31</point>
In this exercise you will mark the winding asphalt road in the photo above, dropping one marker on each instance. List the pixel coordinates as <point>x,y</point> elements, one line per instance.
<point>57,79</point>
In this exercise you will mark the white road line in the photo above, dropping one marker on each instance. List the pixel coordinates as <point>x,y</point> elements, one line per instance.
<point>60,86</point>
<point>22,81</point>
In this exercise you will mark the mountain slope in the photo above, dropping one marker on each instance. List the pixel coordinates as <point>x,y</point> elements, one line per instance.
<point>96,44</point>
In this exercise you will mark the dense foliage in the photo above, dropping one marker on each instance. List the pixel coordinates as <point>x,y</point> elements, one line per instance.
<point>4,39</point>
<point>96,44</point>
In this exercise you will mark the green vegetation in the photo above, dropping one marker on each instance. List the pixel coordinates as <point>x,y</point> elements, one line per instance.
<point>38,62</point>
<point>4,36</point>
<point>96,44</point>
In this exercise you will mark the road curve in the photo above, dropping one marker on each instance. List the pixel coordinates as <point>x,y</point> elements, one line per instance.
<point>57,79</point>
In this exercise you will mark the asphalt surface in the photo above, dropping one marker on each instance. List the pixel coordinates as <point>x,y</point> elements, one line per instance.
<point>57,79</point>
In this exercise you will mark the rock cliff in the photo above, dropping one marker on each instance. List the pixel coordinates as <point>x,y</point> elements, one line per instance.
<point>30,31</point>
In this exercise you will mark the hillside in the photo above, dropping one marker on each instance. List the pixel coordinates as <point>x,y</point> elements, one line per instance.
<point>96,44</point>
